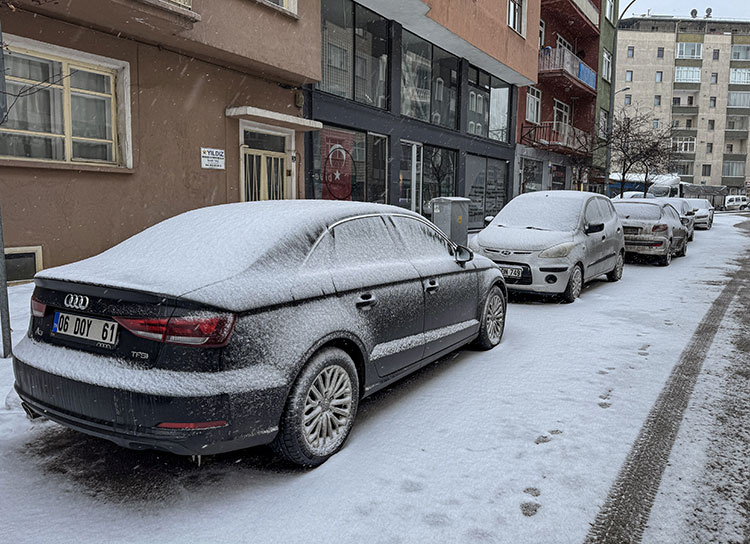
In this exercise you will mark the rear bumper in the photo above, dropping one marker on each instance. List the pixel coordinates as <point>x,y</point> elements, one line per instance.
<point>646,245</point>
<point>130,418</point>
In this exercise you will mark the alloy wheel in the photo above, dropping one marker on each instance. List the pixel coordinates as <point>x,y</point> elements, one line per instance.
<point>495,318</point>
<point>327,413</point>
<point>576,282</point>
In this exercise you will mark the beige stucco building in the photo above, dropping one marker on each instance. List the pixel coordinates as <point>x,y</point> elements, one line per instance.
<point>693,73</point>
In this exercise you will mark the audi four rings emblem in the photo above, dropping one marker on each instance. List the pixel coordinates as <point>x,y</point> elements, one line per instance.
<point>77,302</point>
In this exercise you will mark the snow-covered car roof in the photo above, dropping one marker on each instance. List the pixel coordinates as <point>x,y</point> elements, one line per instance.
<point>207,246</point>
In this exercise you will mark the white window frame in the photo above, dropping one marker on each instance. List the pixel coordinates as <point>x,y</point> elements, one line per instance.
<point>733,169</point>
<point>610,11</point>
<point>560,114</point>
<point>516,20</point>
<point>282,5</point>
<point>744,99</point>
<point>533,105</point>
<point>739,76</point>
<point>680,52</point>
<point>122,131</point>
<point>659,76</point>
<point>563,43</point>
<point>542,33</point>
<point>737,52</point>
<point>606,65</point>
<point>631,52</point>
<point>687,74</point>
<point>683,144</point>
<point>628,75</point>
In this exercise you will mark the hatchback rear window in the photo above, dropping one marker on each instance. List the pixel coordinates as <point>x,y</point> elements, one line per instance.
<point>638,211</point>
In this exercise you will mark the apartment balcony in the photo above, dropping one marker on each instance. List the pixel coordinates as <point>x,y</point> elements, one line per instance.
<point>735,134</point>
<point>577,78</point>
<point>685,110</point>
<point>557,137</point>
<point>581,14</point>
<point>735,157</point>
<point>685,132</point>
<point>733,181</point>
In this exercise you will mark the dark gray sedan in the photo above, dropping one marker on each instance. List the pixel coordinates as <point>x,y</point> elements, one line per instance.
<point>244,324</point>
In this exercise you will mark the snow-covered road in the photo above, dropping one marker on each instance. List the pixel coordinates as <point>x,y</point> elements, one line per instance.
<point>519,444</point>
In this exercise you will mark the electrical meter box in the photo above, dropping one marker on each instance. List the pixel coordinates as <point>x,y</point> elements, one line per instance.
<point>451,215</point>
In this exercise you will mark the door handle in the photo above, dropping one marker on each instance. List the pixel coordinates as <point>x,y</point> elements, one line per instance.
<point>604,237</point>
<point>365,301</point>
<point>432,285</point>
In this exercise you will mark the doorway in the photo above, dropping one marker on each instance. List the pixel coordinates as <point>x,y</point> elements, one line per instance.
<point>264,167</point>
<point>410,177</point>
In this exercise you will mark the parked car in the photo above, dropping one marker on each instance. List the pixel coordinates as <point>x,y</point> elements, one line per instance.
<point>704,212</point>
<point>652,228</point>
<point>554,241</point>
<point>685,210</point>
<point>735,202</point>
<point>633,194</point>
<point>251,323</point>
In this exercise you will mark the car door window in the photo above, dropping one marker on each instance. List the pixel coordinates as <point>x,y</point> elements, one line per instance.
<point>605,209</point>
<point>421,240</point>
<point>592,215</point>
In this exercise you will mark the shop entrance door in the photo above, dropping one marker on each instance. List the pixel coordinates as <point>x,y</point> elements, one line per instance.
<point>264,175</point>
<point>410,178</point>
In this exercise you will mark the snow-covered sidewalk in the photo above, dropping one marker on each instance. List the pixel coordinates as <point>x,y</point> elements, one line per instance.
<point>519,444</point>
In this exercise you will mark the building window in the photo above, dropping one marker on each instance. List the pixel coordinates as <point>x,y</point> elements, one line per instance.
<point>739,99</point>
<point>516,15</point>
<point>709,147</point>
<point>603,122</point>
<point>683,145</point>
<point>289,5</point>
<point>739,76</point>
<point>629,75</point>
<point>716,54</point>
<point>683,168</point>
<point>676,123</point>
<point>741,52</point>
<point>631,51</point>
<point>730,148</point>
<point>59,109</point>
<point>21,263</point>
<point>610,11</point>
<point>355,53</point>
<point>687,74</point>
<point>688,123</point>
<point>676,100</point>
<point>733,169</point>
<point>489,106</point>
<point>533,105</point>
<point>660,53</point>
<point>711,124</point>
<point>655,123</point>
<point>561,116</point>
<point>606,65</point>
<point>712,102</point>
<point>657,100</point>
<point>714,78</point>
<point>687,50</point>
<point>628,99</point>
<point>429,82</point>
<point>531,175</point>
<point>659,76</point>
<point>349,165</point>
<point>541,34</point>
<point>706,170</point>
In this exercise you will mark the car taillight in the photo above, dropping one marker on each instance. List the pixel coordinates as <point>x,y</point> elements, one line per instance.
<point>38,309</point>
<point>659,228</point>
<point>206,330</point>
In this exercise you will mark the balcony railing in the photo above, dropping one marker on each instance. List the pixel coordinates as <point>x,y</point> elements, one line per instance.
<point>551,134</point>
<point>559,58</point>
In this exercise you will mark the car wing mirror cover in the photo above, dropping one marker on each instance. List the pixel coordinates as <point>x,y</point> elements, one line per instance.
<point>488,219</point>
<point>463,254</point>
<point>594,227</point>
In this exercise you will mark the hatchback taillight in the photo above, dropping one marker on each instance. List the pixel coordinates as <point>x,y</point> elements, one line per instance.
<point>205,330</point>
<point>38,309</point>
<point>659,228</point>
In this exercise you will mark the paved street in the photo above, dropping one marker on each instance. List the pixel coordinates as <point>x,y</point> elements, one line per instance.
<point>530,442</point>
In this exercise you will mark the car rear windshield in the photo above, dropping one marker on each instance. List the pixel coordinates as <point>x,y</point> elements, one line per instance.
<point>638,211</point>
<point>545,213</point>
<point>698,203</point>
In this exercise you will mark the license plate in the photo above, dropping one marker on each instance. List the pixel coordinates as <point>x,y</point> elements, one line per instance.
<point>511,272</point>
<point>86,328</point>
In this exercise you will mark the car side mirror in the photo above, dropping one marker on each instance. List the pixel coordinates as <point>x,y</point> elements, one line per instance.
<point>488,219</point>
<point>463,254</point>
<point>691,212</point>
<point>594,227</point>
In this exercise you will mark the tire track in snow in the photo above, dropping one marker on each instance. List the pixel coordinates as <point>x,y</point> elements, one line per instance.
<point>624,515</point>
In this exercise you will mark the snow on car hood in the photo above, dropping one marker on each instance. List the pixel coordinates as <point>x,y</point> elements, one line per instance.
<point>233,256</point>
<point>519,238</point>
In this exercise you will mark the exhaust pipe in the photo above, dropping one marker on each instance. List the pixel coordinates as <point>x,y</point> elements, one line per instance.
<point>31,414</point>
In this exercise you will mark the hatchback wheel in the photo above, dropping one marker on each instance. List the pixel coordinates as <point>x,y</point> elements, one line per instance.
<point>683,250</point>
<point>493,319</point>
<point>665,259</point>
<point>320,410</point>
<point>616,273</point>
<point>575,284</point>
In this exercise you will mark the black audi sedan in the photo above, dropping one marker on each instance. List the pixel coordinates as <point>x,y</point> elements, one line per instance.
<point>251,323</point>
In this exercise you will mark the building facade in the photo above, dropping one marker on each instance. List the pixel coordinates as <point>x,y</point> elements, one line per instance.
<point>563,118</point>
<point>692,73</point>
<point>126,112</point>
<point>417,101</point>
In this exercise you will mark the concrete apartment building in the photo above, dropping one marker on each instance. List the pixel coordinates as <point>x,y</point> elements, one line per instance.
<point>417,100</point>
<point>563,118</point>
<point>126,112</point>
<point>693,73</point>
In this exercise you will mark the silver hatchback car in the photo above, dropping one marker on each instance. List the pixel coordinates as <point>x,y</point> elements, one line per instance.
<point>554,241</point>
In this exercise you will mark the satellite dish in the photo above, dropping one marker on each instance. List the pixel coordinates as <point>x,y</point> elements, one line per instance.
<point>694,13</point>
<point>708,13</point>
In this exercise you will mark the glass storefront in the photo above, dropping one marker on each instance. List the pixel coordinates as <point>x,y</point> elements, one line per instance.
<point>486,186</point>
<point>558,177</point>
<point>531,175</point>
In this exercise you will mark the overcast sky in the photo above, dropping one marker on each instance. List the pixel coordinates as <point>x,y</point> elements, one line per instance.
<point>725,9</point>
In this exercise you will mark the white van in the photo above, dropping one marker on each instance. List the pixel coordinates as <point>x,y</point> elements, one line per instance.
<point>735,202</point>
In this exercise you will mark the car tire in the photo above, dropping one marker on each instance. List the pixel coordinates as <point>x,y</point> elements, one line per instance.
<point>683,250</point>
<point>575,285</point>
<point>492,324</point>
<point>665,259</point>
<point>692,235</point>
<point>616,273</point>
<point>329,384</point>
<point>710,224</point>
